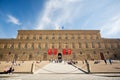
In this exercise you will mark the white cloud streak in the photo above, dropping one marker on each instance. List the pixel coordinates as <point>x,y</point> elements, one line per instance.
<point>13,20</point>
<point>112,27</point>
<point>81,14</point>
<point>58,12</point>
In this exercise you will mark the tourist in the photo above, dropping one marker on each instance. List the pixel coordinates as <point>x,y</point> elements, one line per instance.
<point>11,70</point>
<point>105,61</point>
<point>110,61</point>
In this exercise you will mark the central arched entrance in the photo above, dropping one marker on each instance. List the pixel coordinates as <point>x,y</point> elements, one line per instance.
<point>59,57</point>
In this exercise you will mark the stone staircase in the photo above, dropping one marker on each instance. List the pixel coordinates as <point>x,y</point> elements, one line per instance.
<point>60,68</point>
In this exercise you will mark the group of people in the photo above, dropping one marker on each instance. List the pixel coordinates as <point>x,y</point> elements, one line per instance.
<point>110,61</point>
<point>9,70</point>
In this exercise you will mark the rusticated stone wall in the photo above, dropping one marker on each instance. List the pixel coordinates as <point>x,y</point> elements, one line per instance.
<point>34,45</point>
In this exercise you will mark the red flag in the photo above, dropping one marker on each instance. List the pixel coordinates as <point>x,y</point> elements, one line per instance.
<point>64,51</point>
<point>69,51</point>
<point>49,51</point>
<point>55,51</point>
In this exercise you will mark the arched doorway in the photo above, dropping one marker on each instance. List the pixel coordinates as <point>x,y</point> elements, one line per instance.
<point>59,57</point>
<point>102,56</point>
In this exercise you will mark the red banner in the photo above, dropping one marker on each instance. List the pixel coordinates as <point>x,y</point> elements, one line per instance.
<point>55,51</point>
<point>64,51</point>
<point>69,51</point>
<point>49,51</point>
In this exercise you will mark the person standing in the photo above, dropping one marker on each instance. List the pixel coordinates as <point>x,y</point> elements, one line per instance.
<point>105,61</point>
<point>110,61</point>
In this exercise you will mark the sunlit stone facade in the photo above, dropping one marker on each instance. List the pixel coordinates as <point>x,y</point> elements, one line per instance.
<point>34,45</point>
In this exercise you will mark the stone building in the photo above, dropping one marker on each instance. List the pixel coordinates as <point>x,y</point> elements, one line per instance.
<point>34,45</point>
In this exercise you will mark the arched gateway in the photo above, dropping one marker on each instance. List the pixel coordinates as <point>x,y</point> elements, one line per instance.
<point>59,57</point>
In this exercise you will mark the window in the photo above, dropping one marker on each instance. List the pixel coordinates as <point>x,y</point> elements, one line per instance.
<point>59,37</point>
<point>53,45</point>
<point>32,46</point>
<point>16,57</point>
<point>18,45</point>
<point>5,46</point>
<point>86,45</point>
<point>85,37</point>
<point>46,45</point>
<point>106,45</point>
<point>78,37</point>
<point>80,52</point>
<point>115,55</point>
<point>30,56</point>
<point>90,36</point>
<point>39,46</point>
<point>23,53</point>
<point>66,37</point>
<point>74,56</point>
<point>25,46</point>
<point>97,37</point>
<point>1,56</point>
<point>99,45</point>
<point>73,46</point>
<point>34,37</point>
<point>27,37</point>
<point>118,45</point>
<point>79,45</point>
<point>94,52</point>
<point>40,37</point>
<point>37,53</point>
<point>9,53</point>
<point>93,46</point>
<point>59,45</point>
<point>72,36</point>
<point>66,45</point>
<point>21,37</point>
<point>53,37</point>
<point>107,52</point>
<point>12,46</point>
<point>46,37</point>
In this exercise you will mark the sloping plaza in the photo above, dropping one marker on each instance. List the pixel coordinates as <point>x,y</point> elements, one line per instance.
<point>59,71</point>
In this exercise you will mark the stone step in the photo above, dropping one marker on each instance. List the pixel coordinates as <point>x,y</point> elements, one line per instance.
<point>59,68</point>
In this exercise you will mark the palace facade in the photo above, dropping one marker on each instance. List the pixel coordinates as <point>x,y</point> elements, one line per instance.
<point>35,45</point>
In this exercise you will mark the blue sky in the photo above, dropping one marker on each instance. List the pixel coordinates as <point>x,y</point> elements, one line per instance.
<point>101,15</point>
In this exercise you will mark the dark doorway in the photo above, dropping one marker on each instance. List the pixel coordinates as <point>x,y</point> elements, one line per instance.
<point>102,56</point>
<point>115,56</point>
<point>59,57</point>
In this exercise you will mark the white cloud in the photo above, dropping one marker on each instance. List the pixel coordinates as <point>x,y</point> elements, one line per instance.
<point>58,12</point>
<point>81,14</point>
<point>13,20</point>
<point>112,27</point>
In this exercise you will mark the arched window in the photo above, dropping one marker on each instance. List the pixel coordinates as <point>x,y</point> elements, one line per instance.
<point>93,46</point>
<point>80,52</point>
<point>32,46</point>
<point>79,45</point>
<point>39,46</point>
<point>30,56</point>
<point>12,46</point>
